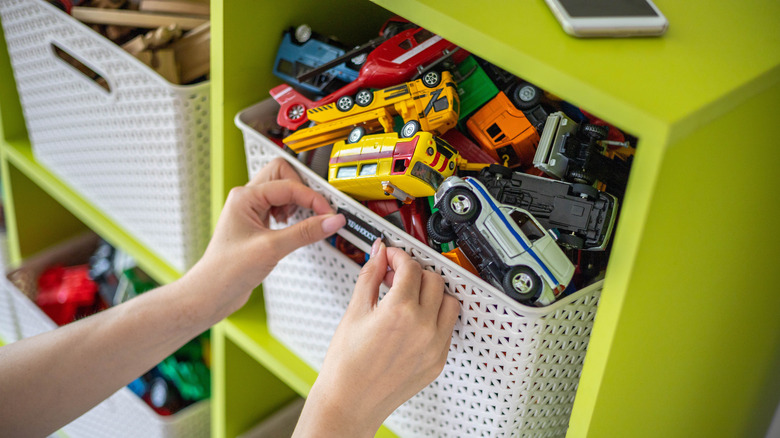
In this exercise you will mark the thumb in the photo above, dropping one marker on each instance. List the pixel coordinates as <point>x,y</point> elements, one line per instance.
<point>370,278</point>
<point>305,232</point>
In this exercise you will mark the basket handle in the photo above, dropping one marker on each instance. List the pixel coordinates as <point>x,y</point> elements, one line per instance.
<point>76,64</point>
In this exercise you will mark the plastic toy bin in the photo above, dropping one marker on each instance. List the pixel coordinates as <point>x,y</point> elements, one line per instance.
<point>123,414</point>
<point>138,151</point>
<point>512,370</point>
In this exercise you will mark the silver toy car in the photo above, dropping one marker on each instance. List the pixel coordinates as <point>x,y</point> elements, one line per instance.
<point>506,244</point>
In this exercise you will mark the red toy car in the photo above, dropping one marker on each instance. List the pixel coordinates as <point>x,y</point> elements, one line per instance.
<point>401,58</point>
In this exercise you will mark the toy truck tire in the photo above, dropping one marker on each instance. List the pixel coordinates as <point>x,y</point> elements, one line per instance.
<point>501,170</point>
<point>580,177</point>
<point>431,79</point>
<point>460,206</point>
<point>584,190</point>
<point>356,134</point>
<point>345,103</point>
<point>596,132</point>
<point>410,128</point>
<point>439,230</point>
<point>522,284</point>
<point>302,34</point>
<point>571,241</point>
<point>364,97</point>
<point>525,96</point>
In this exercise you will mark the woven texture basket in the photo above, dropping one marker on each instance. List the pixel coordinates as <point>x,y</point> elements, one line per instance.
<point>139,152</point>
<point>512,370</point>
<point>123,414</point>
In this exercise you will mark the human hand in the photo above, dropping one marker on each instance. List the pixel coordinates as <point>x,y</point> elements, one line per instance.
<point>383,352</point>
<point>243,249</point>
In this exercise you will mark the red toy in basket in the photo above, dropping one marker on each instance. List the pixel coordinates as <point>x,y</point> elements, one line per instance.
<point>67,293</point>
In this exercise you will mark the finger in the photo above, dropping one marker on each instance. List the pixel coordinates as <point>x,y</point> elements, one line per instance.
<point>276,169</point>
<point>407,277</point>
<point>431,291</point>
<point>305,232</point>
<point>448,316</point>
<point>283,193</point>
<point>366,293</point>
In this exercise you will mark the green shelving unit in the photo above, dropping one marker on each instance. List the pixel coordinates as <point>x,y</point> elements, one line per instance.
<point>687,339</point>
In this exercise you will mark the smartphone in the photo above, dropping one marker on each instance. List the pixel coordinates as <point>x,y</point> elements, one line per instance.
<point>609,18</point>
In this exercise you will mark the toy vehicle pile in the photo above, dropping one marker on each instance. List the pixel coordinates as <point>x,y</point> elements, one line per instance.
<point>67,293</point>
<point>514,184</point>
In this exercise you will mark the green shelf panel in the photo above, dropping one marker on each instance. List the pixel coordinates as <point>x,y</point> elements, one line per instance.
<point>247,329</point>
<point>34,220</point>
<point>708,56</point>
<point>19,154</point>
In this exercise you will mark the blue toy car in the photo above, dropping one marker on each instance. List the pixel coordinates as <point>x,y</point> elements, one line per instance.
<point>302,50</point>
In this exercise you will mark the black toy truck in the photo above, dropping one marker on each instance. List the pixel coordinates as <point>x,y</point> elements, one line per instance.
<point>583,216</point>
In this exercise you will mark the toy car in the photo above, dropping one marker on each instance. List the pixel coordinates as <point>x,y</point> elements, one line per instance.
<point>301,50</point>
<point>504,132</point>
<point>377,166</point>
<point>412,217</point>
<point>571,152</point>
<point>506,244</point>
<point>411,53</point>
<point>523,94</point>
<point>431,105</point>
<point>583,216</point>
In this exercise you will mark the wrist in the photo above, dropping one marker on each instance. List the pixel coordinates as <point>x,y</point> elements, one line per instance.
<point>208,293</point>
<point>326,414</point>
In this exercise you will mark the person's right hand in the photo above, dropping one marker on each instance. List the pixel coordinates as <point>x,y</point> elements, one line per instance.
<point>383,352</point>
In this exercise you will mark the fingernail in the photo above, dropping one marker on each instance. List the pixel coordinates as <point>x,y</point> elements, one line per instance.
<point>375,248</point>
<point>333,223</point>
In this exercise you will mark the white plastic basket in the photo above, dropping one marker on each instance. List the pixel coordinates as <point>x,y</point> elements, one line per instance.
<point>123,414</point>
<point>512,370</point>
<point>139,152</point>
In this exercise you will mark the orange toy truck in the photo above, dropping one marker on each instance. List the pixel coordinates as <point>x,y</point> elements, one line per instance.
<point>504,132</point>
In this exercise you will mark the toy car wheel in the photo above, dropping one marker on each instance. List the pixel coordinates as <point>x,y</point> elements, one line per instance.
<point>431,79</point>
<point>439,229</point>
<point>410,128</point>
<point>356,134</point>
<point>364,97</point>
<point>302,33</point>
<point>345,103</point>
<point>296,112</point>
<point>498,169</point>
<point>163,394</point>
<point>597,132</point>
<point>585,191</point>
<point>357,62</point>
<point>571,241</point>
<point>522,284</point>
<point>580,177</point>
<point>460,206</point>
<point>526,96</point>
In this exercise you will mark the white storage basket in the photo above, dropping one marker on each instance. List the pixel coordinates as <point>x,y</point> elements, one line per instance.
<point>123,414</point>
<point>139,152</point>
<point>512,370</point>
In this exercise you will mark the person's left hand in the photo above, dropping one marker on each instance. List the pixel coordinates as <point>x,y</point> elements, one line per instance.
<point>244,250</point>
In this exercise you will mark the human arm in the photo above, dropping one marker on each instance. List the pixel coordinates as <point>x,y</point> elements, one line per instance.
<point>48,380</point>
<point>383,352</point>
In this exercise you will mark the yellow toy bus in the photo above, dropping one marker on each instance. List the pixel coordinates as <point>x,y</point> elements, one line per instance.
<point>432,106</point>
<point>377,166</point>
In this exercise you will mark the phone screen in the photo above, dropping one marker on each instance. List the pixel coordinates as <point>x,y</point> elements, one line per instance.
<point>607,8</point>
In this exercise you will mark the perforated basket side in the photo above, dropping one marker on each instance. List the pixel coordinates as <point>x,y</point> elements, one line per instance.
<point>139,152</point>
<point>512,370</point>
